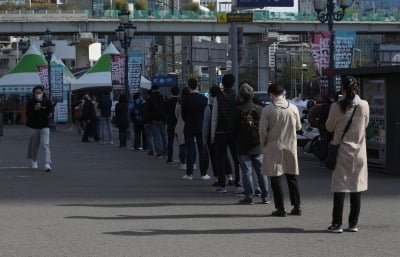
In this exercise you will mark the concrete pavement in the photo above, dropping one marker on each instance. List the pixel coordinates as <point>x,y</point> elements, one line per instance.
<point>104,201</point>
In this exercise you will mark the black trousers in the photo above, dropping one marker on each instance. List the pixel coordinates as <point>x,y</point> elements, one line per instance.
<point>278,192</point>
<point>90,130</point>
<point>140,136</point>
<point>222,142</point>
<point>171,138</point>
<point>122,137</point>
<point>355,206</point>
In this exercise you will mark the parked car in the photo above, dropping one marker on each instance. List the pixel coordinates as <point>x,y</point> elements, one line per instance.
<point>262,98</point>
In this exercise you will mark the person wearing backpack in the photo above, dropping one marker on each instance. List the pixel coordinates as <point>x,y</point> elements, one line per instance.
<point>245,130</point>
<point>136,116</point>
<point>278,125</point>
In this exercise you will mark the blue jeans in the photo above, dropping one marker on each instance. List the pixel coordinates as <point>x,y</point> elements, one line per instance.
<point>105,123</point>
<point>148,128</point>
<point>160,137</point>
<point>247,164</point>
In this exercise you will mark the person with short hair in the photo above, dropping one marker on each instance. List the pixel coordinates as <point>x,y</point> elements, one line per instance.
<point>136,117</point>
<point>89,117</point>
<point>351,172</point>
<point>156,107</point>
<point>193,114</point>
<point>38,112</point>
<point>104,106</point>
<point>121,119</point>
<point>245,131</point>
<point>278,126</point>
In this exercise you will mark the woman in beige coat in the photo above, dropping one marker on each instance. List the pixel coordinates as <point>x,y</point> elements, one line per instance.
<point>351,171</point>
<point>278,125</point>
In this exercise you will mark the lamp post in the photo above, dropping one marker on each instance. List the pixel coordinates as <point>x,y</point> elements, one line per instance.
<point>48,48</point>
<point>125,33</point>
<point>330,11</point>
<point>304,68</point>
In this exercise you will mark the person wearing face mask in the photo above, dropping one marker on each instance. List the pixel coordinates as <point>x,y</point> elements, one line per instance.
<point>38,111</point>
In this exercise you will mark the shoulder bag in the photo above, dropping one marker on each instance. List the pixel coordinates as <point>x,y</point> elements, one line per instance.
<point>333,149</point>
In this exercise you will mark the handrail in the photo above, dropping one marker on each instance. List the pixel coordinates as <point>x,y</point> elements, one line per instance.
<point>258,16</point>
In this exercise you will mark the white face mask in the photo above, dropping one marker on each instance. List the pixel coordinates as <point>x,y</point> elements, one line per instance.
<point>39,97</point>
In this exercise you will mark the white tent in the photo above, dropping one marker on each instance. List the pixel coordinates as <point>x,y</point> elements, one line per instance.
<point>100,74</point>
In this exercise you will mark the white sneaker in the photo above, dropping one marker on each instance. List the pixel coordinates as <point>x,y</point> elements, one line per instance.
<point>34,165</point>
<point>47,167</point>
<point>111,143</point>
<point>182,167</point>
<point>187,177</point>
<point>205,177</point>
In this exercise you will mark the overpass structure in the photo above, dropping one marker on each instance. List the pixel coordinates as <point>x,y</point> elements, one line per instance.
<point>185,23</point>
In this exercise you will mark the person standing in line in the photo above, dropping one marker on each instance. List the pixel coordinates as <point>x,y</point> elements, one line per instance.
<point>136,116</point>
<point>170,107</point>
<point>193,114</point>
<point>180,124</point>
<point>122,120</point>
<point>156,105</point>
<point>221,132</point>
<point>146,114</point>
<point>105,105</point>
<point>278,125</point>
<point>97,110</point>
<point>351,172</point>
<point>245,130</point>
<point>89,117</point>
<point>38,111</point>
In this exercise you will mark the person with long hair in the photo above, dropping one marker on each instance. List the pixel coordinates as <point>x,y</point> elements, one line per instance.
<point>351,172</point>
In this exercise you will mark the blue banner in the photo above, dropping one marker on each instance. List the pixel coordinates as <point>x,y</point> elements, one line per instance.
<point>344,44</point>
<point>263,3</point>
<point>56,78</point>
<point>135,62</point>
<point>165,81</point>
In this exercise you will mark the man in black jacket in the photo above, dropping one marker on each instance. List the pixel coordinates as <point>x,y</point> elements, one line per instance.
<point>38,111</point>
<point>221,132</point>
<point>171,121</point>
<point>193,107</point>
<point>156,107</point>
<point>89,117</point>
<point>245,132</point>
<point>105,104</point>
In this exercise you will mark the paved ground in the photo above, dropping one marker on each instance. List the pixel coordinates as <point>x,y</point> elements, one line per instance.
<point>105,201</point>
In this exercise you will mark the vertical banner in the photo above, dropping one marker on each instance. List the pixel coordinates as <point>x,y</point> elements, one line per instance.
<point>344,44</point>
<point>320,43</point>
<point>117,75</point>
<point>135,62</point>
<point>42,71</point>
<point>56,78</point>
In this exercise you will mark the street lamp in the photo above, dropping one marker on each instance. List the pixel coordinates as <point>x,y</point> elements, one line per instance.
<point>330,11</point>
<point>125,33</point>
<point>48,48</point>
<point>304,68</point>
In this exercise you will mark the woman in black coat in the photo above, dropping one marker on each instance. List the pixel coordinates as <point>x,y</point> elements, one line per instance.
<point>122,119</point>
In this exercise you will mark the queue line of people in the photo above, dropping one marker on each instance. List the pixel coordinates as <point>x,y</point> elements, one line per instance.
<point>260,140</point>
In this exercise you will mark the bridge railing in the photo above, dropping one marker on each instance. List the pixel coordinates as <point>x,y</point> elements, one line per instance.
<point>258,16</point>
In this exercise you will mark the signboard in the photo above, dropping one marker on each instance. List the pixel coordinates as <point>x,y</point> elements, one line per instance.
<point>135,62</point>
<point>165,81</point>
<point>263,3</point>
<point>56,81</point>
<point>222,18</point>
<point>117,75</point>
<point>344,44</point>
<point>320,43</point>
<point>239,17</point>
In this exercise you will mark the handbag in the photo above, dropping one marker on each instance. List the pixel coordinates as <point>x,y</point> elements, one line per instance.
<point>333,149</point>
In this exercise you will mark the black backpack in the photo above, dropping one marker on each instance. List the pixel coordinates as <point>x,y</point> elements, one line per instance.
<point>250,120</point>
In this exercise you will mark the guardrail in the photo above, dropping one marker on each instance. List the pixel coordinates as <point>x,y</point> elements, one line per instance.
<point>258,16</point>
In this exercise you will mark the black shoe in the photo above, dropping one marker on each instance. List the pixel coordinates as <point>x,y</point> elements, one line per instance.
<point>279,213</point>
<point>246,201</point>
<point>170,161</point>
<point>150,153</point>
<point>159,156</point>
<point>335,228</point>
<point>215,184</point>
<point>85,141</point>
<point>296,211</point>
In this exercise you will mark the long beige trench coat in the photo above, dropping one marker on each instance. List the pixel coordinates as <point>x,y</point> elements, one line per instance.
<point>278,125</point>
<point>351,172</point>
